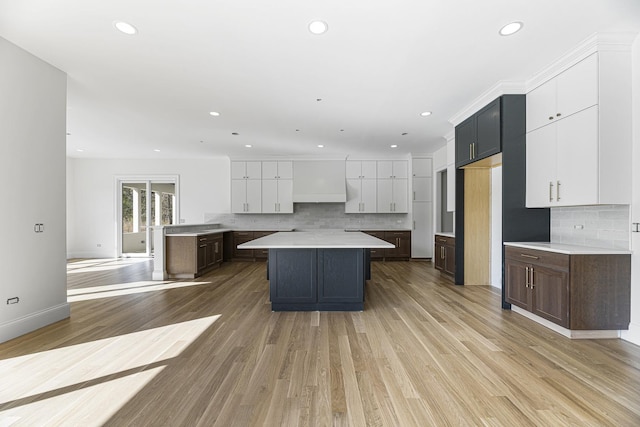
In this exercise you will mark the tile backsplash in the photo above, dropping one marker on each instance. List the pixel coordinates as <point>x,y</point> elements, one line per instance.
<point>311,216</point>
<point>605,226</point>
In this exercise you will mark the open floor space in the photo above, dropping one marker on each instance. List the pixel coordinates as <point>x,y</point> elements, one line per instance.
<point>210,352</point>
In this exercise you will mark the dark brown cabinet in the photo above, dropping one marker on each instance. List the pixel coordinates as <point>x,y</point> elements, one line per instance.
<point>479,137</point>
<point>240,237</point>
<point>578,292</point>
<point>400,238</point>
<point>188,257</point>
<point>445,254</point>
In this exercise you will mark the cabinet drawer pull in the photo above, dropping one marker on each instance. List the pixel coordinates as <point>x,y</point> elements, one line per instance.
<point>529,256</point>
<point>558,191</point>
<point>442,240</point>
<point>202,239</point>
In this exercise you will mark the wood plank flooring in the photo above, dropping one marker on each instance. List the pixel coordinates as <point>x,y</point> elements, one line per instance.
<point>209,352</point>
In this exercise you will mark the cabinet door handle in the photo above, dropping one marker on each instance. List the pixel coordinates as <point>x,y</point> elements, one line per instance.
<point>529,256</point>
<point>470,152</point>
<point>474,150</point>
<point>558,191</point>
<point>442,252</point>
<point>531,279</point>
<point>526,279</point>
<point>414,196</point>
<point>550,191</point>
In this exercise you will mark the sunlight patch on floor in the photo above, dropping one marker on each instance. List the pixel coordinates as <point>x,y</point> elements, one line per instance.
<point>119,289</point>
<point>101,264</point>
<point>71,384</point>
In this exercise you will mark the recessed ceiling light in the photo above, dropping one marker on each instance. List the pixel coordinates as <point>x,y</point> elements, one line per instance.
<point>80,150</point>
<point>235,133</point>
<point>425,113</point>
<point>318,27</point>
<point>125,27</point>
<point>405,133</point>
<point>394,146</point>
<point>214,113</point>
<point>156,150</point>
<point>511,28</point>
<point>248,146</point>
<point>320,146</point>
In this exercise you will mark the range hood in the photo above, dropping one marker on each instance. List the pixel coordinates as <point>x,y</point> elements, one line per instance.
<point>319,181</point>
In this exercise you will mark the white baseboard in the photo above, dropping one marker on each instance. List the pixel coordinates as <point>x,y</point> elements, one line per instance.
<point>15,328</point>
<point>633,334</point>
<point>573,334</point>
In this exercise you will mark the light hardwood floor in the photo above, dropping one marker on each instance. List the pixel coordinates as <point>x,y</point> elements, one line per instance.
<point>210,352</point>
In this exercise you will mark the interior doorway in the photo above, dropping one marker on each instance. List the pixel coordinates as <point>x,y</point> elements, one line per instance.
<point>144,202</point>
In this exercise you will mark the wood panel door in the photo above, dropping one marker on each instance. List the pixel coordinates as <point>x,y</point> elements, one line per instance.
<point>517,291</point>
<point>550,290</point>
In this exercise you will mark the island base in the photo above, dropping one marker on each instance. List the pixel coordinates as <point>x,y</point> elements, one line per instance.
<point>314,279</point>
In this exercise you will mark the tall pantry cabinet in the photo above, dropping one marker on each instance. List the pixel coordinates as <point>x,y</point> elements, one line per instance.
<point>422,208</point>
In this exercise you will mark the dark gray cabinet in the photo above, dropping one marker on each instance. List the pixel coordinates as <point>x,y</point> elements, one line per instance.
<point>478,137</point>
<point>317,279</point>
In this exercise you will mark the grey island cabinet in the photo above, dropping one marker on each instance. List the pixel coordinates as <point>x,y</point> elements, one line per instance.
<point>317,270</point>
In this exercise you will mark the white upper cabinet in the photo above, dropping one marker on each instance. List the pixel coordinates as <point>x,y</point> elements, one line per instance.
<point>246,196</point>
<point>277,187</point>
<point>277,196</point>
<point>393,186</point>
<point>361,196</point>
<point>581,154</point>
<point>393,169</point>
<point>574,90</point>
<point>277,170</point>
<point>422,168</point>
<point>246,170</point>
<point>361,169</point>
<point>246,188</point>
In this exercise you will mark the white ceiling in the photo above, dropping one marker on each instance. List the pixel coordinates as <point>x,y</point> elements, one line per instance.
<point>377,68</point>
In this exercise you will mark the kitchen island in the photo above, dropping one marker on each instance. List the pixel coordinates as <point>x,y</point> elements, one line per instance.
<point>317,270</point>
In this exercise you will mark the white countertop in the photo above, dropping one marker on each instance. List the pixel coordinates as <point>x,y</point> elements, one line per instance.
<point>317,239</point>
<point>567,249</point>
<point>199,233</point>
<point>445,234</point>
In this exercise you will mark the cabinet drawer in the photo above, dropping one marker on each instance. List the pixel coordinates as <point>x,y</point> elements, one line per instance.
<point>551,259</point>
<point>445,240</point>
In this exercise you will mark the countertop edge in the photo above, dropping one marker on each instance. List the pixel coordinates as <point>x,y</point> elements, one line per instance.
<point>568,249</point>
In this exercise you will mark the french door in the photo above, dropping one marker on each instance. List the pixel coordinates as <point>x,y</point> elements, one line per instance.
<point>143,202</point>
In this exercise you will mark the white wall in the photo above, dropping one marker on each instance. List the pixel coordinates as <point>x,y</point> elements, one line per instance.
<point>204,187</point>
<point>633,334</point>
<point>32,168</point>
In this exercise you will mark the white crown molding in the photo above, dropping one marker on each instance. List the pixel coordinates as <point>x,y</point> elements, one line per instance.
<point>610,42</point>
<point>620,42</point>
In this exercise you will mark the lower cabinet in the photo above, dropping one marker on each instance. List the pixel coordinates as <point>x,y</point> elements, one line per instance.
<point>445,254</point>
<point>329,279</point>
<point>240,237</point>
<point>401,240</point>
<point>578,292</point>
<point>188,257</point>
